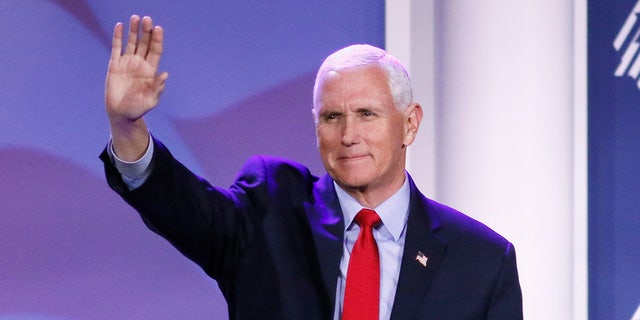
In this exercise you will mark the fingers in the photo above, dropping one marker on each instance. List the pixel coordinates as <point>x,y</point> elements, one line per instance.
<point>155,47</point>
<point>143,45</point>
<point>134,27</point>
<point>116,42</point>
<point>150,44</point>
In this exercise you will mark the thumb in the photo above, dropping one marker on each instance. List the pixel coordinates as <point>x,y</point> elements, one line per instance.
<point>159,82</point>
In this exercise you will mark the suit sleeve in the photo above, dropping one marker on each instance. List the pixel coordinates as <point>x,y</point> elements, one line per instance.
<point>506,299</point>
<point>209,225</point>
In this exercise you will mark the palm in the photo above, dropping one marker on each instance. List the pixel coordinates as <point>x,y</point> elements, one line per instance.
<point>132,85</point>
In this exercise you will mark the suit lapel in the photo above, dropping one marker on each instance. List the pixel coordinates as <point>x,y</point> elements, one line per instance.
<point>415,278</point>
<point>327,224</point>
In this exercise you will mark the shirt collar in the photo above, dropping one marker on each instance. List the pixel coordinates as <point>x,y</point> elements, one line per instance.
<point>393,212</point>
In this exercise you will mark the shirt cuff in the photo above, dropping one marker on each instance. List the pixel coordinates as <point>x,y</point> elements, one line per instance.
<point>134,173</point>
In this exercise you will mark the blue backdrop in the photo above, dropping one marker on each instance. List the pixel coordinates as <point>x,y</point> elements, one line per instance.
<point>241,77</point>
<point>614,158</point>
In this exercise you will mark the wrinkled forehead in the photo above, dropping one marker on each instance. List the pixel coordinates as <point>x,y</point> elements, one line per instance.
<point>362,86</point>
<point>370,77</point>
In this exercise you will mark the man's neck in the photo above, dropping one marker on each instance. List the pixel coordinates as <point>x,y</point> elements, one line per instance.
<point>371,197</point>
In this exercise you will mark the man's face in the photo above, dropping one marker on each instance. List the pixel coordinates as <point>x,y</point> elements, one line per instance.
<point>361,134</point>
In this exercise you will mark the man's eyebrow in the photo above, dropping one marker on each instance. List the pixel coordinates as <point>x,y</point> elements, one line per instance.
<point>370,108</point>
<point>330,112</point>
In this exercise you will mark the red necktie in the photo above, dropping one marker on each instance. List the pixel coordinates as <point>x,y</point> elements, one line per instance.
<point>362,292</point>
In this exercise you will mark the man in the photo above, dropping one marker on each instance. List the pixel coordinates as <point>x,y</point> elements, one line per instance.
<point>361,242</point>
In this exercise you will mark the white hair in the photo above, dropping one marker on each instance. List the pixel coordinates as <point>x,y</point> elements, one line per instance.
<point>362,55</point>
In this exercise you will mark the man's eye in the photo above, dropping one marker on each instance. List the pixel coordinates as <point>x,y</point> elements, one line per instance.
<point>331,116</point>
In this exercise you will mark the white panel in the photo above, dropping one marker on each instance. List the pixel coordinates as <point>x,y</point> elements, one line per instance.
<point>504,136</point>
<point>580,178</point>
<point>504,153</point>
<point>410,38</point>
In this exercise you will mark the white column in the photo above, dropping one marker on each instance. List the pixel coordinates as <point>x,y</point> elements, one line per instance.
<point>500,137</point>
<point>505,127</point>
<point>409,37</point>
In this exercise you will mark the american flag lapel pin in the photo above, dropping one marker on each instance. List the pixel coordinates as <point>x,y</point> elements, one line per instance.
<point>422,259</point>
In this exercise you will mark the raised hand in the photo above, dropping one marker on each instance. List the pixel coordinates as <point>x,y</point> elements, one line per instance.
<point>133,85</point>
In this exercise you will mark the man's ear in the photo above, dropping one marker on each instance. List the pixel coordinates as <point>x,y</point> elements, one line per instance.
<point>315,125</point>
<point>413,117</point>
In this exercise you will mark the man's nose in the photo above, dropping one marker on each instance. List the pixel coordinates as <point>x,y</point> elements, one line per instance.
<point>350,131</point>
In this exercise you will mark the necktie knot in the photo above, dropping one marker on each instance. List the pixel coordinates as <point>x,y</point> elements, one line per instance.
<point>367,218</point>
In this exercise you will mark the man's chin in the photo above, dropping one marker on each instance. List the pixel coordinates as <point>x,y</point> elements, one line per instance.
<point>352,184</point>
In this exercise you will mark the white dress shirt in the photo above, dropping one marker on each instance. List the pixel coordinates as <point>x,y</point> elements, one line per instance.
<point>389,236</point>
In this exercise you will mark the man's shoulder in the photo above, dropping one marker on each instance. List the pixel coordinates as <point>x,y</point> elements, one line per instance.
<point>274,165</point>
<point>458,227</point>
<point>271,169</point>
<point>275,161</point>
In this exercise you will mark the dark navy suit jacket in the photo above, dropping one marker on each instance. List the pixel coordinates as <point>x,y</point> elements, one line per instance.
<point>273,241</point>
